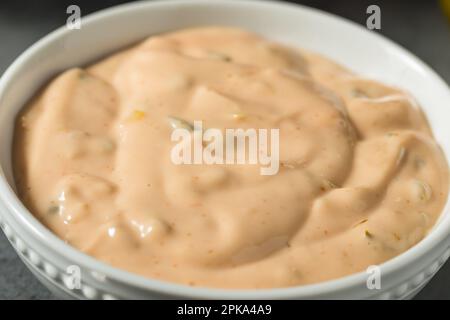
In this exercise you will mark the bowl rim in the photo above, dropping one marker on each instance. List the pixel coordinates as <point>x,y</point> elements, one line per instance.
<point>20,213</point>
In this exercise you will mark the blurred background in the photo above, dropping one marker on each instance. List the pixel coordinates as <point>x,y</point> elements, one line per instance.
<point>421,26</point>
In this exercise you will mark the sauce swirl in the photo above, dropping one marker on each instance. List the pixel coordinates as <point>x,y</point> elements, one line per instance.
<point>361,178</point>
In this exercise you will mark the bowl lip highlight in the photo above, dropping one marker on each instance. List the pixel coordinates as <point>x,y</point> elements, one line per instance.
<point>437,236</point>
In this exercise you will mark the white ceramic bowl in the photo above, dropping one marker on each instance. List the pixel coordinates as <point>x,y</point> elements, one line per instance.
<point>363,51</point>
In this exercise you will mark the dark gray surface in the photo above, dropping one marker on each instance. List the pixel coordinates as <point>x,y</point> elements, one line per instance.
<point>417,25</point>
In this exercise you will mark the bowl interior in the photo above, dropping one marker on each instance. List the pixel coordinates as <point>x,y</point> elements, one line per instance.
<point>362,51</point>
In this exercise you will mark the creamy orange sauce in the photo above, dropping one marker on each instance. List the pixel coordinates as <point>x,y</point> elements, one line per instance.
<point>361,178</point>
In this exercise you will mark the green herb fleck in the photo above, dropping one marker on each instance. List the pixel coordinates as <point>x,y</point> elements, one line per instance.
<point>53,209</point>
<point>360,222</point>
<point>177,123</point>
<point>368,234</point>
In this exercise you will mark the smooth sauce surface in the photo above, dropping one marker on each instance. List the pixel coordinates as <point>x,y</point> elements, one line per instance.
<point>360,181</point>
